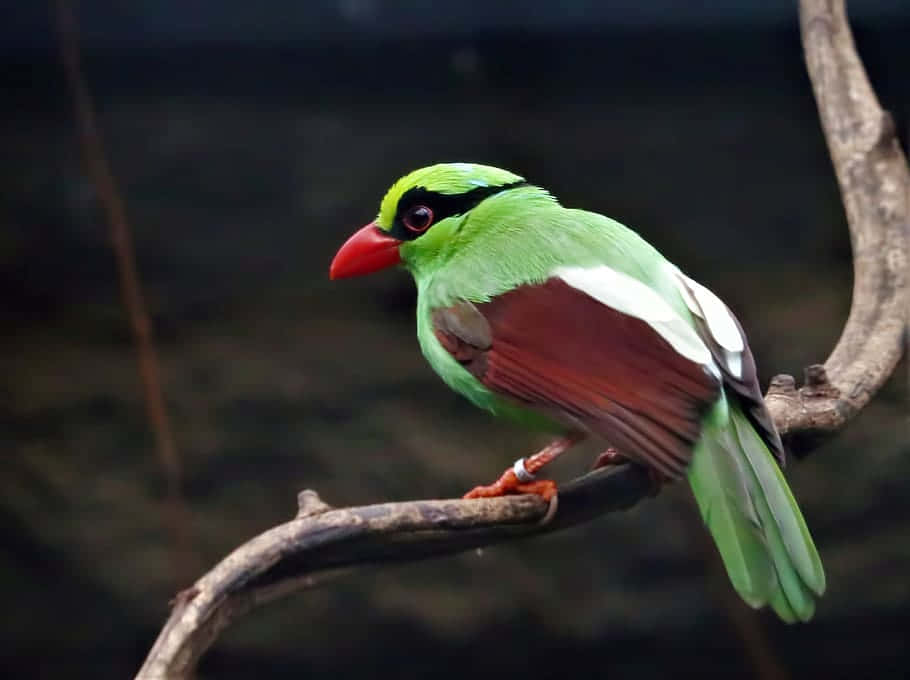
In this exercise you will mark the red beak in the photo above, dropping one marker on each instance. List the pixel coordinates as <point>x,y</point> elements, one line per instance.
<point>368,250</point>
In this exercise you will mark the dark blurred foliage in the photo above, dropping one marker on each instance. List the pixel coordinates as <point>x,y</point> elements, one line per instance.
<point>243,167</point>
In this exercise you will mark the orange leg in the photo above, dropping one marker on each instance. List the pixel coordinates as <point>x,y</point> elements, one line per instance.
<point>520,477</point>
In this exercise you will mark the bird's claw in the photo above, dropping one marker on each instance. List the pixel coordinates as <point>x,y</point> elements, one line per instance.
<point>609,457</point>
<point>613,457</point>
<point>508,484</point>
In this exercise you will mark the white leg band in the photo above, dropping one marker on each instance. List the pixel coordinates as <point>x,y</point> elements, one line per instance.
<point>522,472</point>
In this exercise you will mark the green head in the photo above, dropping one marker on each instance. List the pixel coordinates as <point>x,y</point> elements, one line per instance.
<point>420,214</point>
<point>446,185</point>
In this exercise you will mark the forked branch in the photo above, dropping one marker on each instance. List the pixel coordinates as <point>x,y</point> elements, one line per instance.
<point>875,187</point>
<point>874,182</point>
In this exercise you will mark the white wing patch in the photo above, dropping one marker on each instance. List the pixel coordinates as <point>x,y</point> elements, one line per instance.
<point>717,317</point>
<point>630,296</point>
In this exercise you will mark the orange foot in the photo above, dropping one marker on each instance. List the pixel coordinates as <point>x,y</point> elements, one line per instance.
<point>609,457</point>
<point>509,484</point>
<point>613,457</point>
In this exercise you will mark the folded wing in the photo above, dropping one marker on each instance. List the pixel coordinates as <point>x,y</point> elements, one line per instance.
<point>627,371</point>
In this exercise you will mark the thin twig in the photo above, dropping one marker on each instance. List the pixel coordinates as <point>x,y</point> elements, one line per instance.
<point>873,177</point>
<point>130,289</point>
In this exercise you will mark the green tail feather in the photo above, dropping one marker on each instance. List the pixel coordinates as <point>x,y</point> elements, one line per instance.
<point>757,526</point>
<point>721,491</point>
<point>783,507</point>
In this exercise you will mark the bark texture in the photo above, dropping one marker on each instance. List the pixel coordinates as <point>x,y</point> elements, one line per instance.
<point>875,187</point>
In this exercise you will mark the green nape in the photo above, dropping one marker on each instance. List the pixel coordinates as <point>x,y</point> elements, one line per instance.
<point>443,178</point>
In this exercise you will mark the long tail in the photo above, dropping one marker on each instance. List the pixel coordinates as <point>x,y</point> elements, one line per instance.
<point>757,526</point>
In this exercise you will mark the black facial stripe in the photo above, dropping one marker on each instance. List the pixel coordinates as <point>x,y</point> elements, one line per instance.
<point>442,205</point>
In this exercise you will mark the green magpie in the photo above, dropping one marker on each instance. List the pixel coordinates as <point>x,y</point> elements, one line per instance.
<point>569,322</point>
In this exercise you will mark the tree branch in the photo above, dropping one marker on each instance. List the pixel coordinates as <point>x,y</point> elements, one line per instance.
<point>874,182</point>
<point>320,540</point>
<point>875,187</point>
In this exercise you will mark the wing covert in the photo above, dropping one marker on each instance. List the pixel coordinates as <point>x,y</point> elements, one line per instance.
<point>557,349</point>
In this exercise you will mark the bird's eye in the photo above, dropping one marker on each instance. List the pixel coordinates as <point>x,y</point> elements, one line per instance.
<point>418,219</point>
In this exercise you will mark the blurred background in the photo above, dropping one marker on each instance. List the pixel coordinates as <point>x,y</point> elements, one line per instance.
<point>248,141</point>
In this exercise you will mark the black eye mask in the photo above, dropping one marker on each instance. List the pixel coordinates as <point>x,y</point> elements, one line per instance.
<point>440,205</point>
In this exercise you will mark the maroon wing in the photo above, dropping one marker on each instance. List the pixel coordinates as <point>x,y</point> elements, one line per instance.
<point>555,348</point>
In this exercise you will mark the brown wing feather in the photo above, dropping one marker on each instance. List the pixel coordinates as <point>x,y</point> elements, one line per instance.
<point>554,347</point>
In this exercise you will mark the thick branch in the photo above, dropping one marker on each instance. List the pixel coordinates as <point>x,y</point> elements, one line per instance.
<point>287,557</point>
<point>874,182</point>
<point>875,187</point>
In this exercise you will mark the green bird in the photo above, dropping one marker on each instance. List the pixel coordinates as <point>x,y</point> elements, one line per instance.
<point>568,321</point>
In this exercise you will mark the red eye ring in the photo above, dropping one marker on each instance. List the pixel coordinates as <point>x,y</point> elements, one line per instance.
<point>418,219</point>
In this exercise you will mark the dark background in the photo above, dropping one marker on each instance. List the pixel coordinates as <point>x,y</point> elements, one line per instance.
<point>249,139</point>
